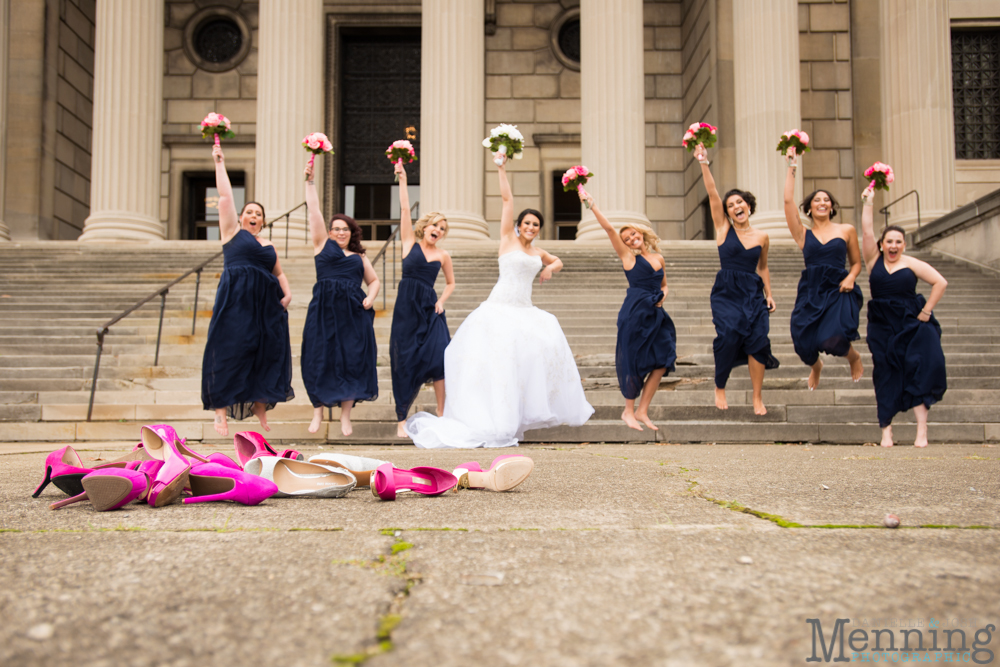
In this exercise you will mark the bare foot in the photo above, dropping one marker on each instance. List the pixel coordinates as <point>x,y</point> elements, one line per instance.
<point>260,412</point>
<point>813,380</point>
<point>921,440</point>
<point>720,399</point>
<point>887,436</point>
<point>401,430</point>
<point>345,426</point>
<point>221,425</point>
<point>644,418</point>
<point>630,420</point>
<point>854,359</point>
<point>317,420</point>
<point>758,405</point>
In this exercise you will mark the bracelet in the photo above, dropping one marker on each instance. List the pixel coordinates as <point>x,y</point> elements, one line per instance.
<point>704,162</point>
<point>311,182</point>
<point>926,313</point>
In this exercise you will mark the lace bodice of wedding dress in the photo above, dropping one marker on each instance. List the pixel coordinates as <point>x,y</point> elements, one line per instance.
<point>517,273</point>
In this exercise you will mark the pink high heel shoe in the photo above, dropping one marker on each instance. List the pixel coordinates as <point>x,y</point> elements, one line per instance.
<point>505,473</point>
<point>160,441</point>
<point>65,469</point>
<point>211,482</point>
<point>112,488</point>
<point>386,481</point>
<point>154,436</point>
<point>250,445</point>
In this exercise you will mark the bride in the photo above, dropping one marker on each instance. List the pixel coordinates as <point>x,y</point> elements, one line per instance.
<point>509,368</point>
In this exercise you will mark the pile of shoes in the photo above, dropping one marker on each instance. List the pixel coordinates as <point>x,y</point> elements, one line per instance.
<point>161,468</point>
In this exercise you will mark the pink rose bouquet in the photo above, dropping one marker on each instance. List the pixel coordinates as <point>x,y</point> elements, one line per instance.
<point>317,143</point>
<point>401,152</point>
<point>796,139</point>
<point>699,133</point>
<point>217,124</point>
<point>881,175</point>
<point>505,140</point>
<point>575,178</point>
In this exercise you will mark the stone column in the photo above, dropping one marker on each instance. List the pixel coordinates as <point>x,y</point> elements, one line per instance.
<point>128,123</point>
<point>289,104</point>
<point>768,103</point>
<point>452,114</point>
<point>918,123</point>
<point>4,23</point>
<point>612,98</point>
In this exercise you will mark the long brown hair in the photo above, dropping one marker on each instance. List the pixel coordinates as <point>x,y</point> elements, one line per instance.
<point>354,244</point>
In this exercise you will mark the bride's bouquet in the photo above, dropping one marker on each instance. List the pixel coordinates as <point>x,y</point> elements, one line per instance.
<point>796,139</point>
<point>505,140</point>
<point>699,133</point>
<point>881,175</point>
<point>218,125</point>
<point>317,144</point>
<point>574,179</point>
<point>401,152</point>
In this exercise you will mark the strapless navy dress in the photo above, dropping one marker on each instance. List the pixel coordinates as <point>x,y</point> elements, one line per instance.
<point>419,336</point>
<point>824,318</point>
<point>248,356</point>
<point>647,339</point>
<point>739,310</point>
<point>908,363</point>
<point>338,340</point>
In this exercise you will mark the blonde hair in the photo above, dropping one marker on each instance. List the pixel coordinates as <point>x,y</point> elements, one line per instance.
<point>649,238</point>
<point>431,218</point>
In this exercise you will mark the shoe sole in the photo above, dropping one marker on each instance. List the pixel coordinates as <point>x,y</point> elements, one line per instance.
<point>71,484</point>
<point>507,475</point>
<point>106,492</point>
<point>172,491</point>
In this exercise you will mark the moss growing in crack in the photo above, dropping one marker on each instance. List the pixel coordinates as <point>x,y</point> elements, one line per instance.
<point>390,532</point>
<point>460,530</point>
<point>400,546</point>
<point>386,625</point>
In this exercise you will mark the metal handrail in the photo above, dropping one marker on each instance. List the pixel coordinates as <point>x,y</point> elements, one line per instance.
<point>885,209</point>
<point>700,232</point>
<point>162,293</point>
<point>382,252</point>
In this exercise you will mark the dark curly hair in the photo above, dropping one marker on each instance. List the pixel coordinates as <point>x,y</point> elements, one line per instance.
<point>354,245</point>
<point>747,197</point>
<point>531,211</point>
<point>890,228</point>
<point>806,204</point>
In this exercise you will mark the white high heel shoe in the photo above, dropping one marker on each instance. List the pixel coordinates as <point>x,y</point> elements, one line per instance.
<point>300,479</point>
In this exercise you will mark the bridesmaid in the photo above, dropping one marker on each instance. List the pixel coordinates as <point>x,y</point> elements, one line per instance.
<point>247,367</point>
<point>828,304</point>
<point>741,295</point>
<point>903,335</point>
<point>419,333</point>
<point>647,342</point>
<point>338,341</point>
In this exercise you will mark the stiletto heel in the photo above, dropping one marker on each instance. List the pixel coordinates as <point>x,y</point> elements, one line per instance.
<point>386,481</point>
<point>112,488</point>
<point>250,445</point>
<point>505,473</point>
<point>65,469</point>
<point>160,441</point>
<point>212,482</point>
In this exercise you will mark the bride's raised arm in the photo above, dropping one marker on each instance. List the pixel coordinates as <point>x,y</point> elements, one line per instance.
<point>507,211</point>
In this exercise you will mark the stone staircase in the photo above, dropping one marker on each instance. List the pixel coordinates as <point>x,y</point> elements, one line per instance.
<point>54,296</point>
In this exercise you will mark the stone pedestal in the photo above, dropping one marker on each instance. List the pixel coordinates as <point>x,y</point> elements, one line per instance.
<point>128,123</point>
<point>918,123</point>
<point>4,41</point>
<point>768,103</point>
<point>452,114</point>
<point>613,118</point>
<point>289,104</point>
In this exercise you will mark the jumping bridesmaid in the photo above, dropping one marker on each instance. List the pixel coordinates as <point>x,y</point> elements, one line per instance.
<point>741,295</point>
<point>338,341</point>
<point>828,304</point>
<point>247,367</point>
<point>903,335</point>
<point>419,333</point>
<point>647,342</point>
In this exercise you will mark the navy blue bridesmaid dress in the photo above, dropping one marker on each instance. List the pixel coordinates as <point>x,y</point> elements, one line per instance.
<point>739,310</point>
<point>646,336</point>
<point>338,340</point>
<point>824,318</point>
<point>908,363</point>
<point>419,336</point>
<point>248,356</point>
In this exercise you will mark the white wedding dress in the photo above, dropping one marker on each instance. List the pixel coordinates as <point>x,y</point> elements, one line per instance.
<point>508,369</point>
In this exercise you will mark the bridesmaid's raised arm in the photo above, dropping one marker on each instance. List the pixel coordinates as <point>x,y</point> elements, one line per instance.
<point>229,222</point>
<point>869,246</point>
<point>715,201</point>
<point>622,250</point>
<point>406,234</point>
<point>791,210</point>
<point>317,225</point>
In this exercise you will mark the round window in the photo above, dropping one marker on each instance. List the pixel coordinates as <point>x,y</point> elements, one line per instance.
<point>216,39</point>
<point>564,35</point>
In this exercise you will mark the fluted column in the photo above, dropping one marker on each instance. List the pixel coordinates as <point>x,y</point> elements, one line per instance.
<point>768,103</point>
<point>128,123</point>
<point>289,102</point>
<point>918,125</point>
<point>613,102</point>
<point>4,41</point>
<point>452,114</point>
